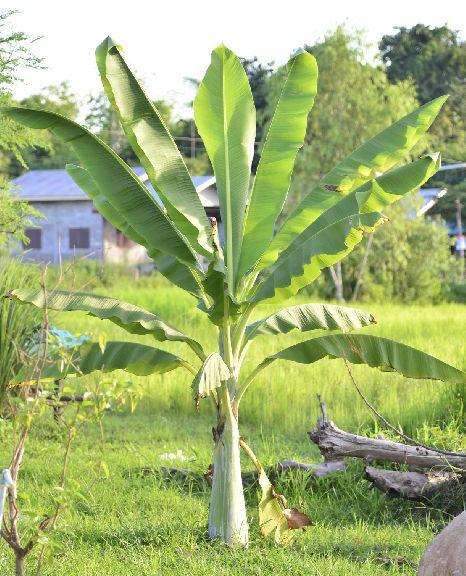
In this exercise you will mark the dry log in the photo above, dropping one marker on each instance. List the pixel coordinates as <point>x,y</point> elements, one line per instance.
<point>446,555</point>
<point>414,485</point>
<point>335,444</point>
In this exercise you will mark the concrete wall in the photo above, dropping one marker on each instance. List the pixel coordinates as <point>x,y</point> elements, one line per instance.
<point>130,253</point>
<point>59,217</point>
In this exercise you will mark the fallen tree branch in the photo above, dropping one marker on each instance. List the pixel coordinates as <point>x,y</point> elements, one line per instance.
<point>414,485</point>
<point>336,444</point>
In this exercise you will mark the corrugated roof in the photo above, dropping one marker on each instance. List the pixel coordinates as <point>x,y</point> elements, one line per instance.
<point>55,185</point>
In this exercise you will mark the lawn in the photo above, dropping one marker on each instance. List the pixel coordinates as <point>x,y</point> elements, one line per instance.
<point>135,522</point>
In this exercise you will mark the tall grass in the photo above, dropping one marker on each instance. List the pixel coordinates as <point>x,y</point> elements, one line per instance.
<point>17,323</point>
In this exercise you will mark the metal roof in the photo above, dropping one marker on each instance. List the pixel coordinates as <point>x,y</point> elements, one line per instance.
<point>57,185</point>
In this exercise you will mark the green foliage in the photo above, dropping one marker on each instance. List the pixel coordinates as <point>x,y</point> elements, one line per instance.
<point>435,59</point>
<point>15,56</point>
<point>396,260</point>
<point>15,216</point>
<point>17,324</point>
<point>343,117</point>
<point>258,75</point>
<point>50,152</point>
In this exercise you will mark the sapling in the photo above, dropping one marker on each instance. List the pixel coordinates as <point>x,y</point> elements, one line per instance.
<point>257,261</point>
<point>28,396</point>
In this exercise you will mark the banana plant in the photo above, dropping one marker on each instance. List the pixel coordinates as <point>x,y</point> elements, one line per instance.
<point>258,260</point>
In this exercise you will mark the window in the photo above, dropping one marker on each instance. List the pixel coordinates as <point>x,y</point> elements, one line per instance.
<point>79,238</point>
<point>34,236</point>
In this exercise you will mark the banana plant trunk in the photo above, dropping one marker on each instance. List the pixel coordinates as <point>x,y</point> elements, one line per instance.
<point>227,514</point>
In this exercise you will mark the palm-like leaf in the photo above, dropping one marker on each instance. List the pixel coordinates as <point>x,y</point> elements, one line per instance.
<point>114,179</point>
<point>306,317</point>
<point>211,375</point>
<point>381,153</point>
<point>382,353</point>
<point>154,146</point>
<point>226,119</point>
<point>131,357</point>
<point>339,229</point>
<point>284,138</point>
<point>133,319</point>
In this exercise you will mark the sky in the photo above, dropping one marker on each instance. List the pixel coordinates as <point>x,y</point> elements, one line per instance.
<point>166,41</point>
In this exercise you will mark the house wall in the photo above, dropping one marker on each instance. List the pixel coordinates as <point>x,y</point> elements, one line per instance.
<point>59,217</point>
<point>128,253</point>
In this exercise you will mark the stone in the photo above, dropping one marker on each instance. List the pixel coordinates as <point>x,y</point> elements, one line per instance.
<point>446,554</point>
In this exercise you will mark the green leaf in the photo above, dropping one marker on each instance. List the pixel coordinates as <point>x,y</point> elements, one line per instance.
<point>225,117</point>
<point>382,353</point>
<point>115,180</point>
<point>305,317</point>
<point>117,219</point>
<point>134,358</point>
<point>133,319</point>
<point>340,228</point>
<point>379,154</point>
<point>212,373</point>
<point>154,146</point>
<point>284,138</point>
<point>180,274</point>
<point>303,261</point>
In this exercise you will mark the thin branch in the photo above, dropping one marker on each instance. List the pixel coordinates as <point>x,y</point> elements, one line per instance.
<point>390,426</point>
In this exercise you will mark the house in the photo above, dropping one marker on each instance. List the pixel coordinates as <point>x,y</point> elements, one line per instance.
<point>72,227</point>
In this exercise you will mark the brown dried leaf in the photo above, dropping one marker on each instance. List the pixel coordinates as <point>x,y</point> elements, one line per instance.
<point>296,519</point>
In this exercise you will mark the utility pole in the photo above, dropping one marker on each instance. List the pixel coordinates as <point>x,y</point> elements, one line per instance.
<point>460,241</point>
<point>193,140</point>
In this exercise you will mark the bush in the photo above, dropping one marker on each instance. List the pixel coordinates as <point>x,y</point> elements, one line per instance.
<point>17,323</point>
<point>409,259</point>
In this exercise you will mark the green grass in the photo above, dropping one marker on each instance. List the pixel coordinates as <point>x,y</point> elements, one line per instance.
<point>134,523</point>
<point>282,399</point>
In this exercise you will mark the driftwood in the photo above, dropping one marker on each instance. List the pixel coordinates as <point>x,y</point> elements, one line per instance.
<point>414,485</point>
<point>446,555</point>
<point>336,444</point>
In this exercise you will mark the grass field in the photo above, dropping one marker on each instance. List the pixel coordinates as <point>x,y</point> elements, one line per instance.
<point>137,523</point>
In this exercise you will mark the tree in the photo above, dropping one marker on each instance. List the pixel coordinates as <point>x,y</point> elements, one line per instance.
<point>15,56</point>
<point>343,117</point>
<point>254,265</point>
<point>395,260</point>
<point>15,216</point>
<point>435,59</point>
<point>50,152</point>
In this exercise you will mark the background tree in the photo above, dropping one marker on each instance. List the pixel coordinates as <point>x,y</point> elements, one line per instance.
<point>15,56</point>
<point>435,59</point>
<point>50,152</point>
<point>258,75</point>
<point>391,264</point>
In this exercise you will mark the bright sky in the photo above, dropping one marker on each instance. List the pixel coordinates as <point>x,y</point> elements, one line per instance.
<point>167,40</point>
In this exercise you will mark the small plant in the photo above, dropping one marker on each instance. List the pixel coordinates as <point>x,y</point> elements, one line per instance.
<point>255,263</point>
<point>23,528</point>
<point>17,324</point>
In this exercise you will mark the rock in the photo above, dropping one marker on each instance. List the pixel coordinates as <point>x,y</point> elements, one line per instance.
<point>446,554</point>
